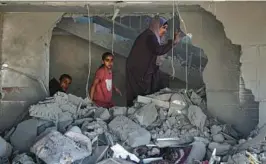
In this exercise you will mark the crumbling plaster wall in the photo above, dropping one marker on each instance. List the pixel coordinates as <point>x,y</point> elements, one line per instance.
<point>222,72</point>
<point>25,48</point>
<point>244,25</point>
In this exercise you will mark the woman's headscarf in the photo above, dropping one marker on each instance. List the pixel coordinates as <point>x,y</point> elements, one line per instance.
<point>155,25</point>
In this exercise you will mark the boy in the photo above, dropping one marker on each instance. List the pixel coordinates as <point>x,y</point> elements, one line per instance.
<point>62,86</point>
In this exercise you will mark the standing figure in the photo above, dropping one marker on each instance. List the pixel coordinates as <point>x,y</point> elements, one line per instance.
<point>142,72</point>
<point>102,87</point>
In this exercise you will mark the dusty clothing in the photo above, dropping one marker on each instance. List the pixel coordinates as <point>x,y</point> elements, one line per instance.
<point>142,73</point>
<point>54,87</point>
<point>103,91</point>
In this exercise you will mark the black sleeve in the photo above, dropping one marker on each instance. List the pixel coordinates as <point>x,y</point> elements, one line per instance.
<point>54,86</point>
<point>156,48</point>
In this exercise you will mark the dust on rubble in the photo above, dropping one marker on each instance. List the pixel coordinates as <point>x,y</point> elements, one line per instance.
<point>163,128</point>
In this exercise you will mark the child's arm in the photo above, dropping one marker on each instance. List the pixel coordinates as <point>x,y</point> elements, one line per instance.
<point>97,79</point>
<point>117,90</point>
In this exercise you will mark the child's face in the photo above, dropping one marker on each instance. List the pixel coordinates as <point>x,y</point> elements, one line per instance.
<point>65,84</point>
<point>108,62</point>
<point>163,30</point>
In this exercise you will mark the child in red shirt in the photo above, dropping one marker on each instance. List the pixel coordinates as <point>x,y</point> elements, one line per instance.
<point>101,89</point>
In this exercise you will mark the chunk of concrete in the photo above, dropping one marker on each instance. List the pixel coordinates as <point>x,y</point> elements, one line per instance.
<point>23,159</point>
<point>163,97</point>
<point>80,139</point>
<point>218,138</point>
<point>56,148</point>
<point>25,134</point>
<point>146,115</point>
<point>102,113</point>
<point>148,100</point>
<point>196,116</point>
<point>118,111</point>
<point>5,148</point>
<point>221,149</point>
<point>195,98</point>
<point>215,129</point>
<point>197,152</point>
<point>115,161</point>
<point>129,131</point>
<point>94,129</point>
<point>131,111</point>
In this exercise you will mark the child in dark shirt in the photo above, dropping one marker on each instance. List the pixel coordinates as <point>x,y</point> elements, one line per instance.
<point>61,86</point>
<point>101,89</point>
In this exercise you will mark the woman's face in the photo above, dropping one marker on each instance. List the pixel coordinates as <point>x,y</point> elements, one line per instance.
<point>163,30</point>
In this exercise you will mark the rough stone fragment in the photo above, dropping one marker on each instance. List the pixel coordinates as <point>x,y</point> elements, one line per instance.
<point>196,116</point>
<point>5,148</point>
<point>154,151</point>
<point>102,113</point>
<point>131,111</point>
<point>115,161</point>
<point>129,131</point>
<point>197,152</point>
<point>218,138</point>
<point>163,97</point>
<point>221,149</point>
<point>56,148</point>
<point>94,129</point>
<point>201,139</point>
<point>195,98</point>
<point>80,139</point>
<point>238,159</point>
<point>23,159</point>
<point>146,115</point>
<point>117,111</point>
<point>148,100</point>
<point>215,129</point>
<point>25,134</point>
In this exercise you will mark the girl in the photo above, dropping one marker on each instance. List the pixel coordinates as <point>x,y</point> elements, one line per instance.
<point>101,89</point>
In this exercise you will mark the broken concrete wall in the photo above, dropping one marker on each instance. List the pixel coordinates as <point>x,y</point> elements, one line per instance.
<point>246,29</point>
<point>222,72</point>
<point>25,49</point>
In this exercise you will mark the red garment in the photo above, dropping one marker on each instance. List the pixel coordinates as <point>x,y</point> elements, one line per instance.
<point>103,91</point>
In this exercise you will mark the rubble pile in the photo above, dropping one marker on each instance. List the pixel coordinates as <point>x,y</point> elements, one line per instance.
<point>163,128</point>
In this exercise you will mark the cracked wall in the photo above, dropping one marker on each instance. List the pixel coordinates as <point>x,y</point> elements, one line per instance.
<point>25,48</point>
<point>222,72</point>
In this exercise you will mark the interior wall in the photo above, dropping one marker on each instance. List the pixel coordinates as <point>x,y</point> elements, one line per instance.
<point>222,72</point>
<point>70,54</point>
<point>25,49</point>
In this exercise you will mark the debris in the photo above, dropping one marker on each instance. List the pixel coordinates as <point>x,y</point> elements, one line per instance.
<point>146,115</point>
<point>25,134</point>
<point>115,161</point>
<point>148,100</point>
<point>196,116</point>
<point>215,129</point>
<point>214,158</point>
<point>80,139</point>
<point>197,152</point>
<point>97,155</point>
<point>218,138</point>
<point>57,148</point>
<point>221,149</point>
<point>120,152</point>
<point>5,148</point>
<point>94,129</point>
<point>23,159</point>
<point>117,111</point>
<point>129,131</point>
<point>173,142</point>
<point>102,113</point>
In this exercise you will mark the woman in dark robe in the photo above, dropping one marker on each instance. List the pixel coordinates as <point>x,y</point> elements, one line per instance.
<point>141,69</point>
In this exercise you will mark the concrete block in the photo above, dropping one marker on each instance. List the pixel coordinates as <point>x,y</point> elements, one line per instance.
<point>5,148</point>
<point>218,138</point>
<point>102,113</point>
<point>23,158</point>
<point>80,139</point>
<point>197,152</point>
<point>148,100</point>
<point>25,134</point>
<point>129,131</point>
<point>117,111</point>
<point>56,148</point>
<point>215,129</point>
<point>94,129</point>
<point>196,116</point>
<point>221,149</point>
<point>146,115</point>
<point>163,97</point>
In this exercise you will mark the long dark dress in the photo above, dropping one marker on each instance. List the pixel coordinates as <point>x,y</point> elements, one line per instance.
<point>142,73</point>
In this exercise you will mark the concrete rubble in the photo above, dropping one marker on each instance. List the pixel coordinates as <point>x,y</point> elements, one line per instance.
<point>166,127</point>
